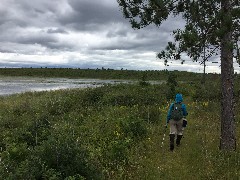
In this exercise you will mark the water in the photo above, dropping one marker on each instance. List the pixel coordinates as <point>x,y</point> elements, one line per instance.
<point>13,85</point>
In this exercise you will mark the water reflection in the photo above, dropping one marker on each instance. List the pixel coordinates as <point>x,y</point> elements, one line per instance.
<point>13,85</point>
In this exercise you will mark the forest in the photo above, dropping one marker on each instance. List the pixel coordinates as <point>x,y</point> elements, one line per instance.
<point>101,73</point>
<point>115,131</point>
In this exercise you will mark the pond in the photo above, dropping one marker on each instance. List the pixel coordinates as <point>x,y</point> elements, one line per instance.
<point>13,85</point>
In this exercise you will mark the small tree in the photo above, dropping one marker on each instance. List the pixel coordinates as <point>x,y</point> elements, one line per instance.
<point>171,83</point>
<point>215,20</point>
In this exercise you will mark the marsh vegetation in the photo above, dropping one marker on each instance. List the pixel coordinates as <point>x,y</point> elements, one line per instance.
<point>114,132</point>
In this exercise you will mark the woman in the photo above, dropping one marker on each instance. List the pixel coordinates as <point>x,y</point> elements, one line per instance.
<point>176,119</point>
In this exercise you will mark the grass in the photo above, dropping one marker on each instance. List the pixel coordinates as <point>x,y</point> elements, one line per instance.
<point>112,132</point>
<point>197,158</point>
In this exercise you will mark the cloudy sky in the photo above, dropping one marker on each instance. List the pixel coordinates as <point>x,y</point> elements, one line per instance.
<point>82,34</point>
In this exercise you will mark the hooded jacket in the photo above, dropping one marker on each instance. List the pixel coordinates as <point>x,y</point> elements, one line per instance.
<point>178,99</point>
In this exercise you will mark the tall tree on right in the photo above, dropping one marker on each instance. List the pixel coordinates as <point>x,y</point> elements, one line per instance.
<point>228,137</point>
<point>212,27</point>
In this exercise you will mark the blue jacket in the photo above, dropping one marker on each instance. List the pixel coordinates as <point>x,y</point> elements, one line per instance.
<point>178,99</point>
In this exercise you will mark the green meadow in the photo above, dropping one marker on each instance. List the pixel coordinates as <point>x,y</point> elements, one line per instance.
<point>115,131</point>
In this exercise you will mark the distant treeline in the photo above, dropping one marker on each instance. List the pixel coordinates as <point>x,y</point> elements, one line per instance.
<point>103,73</point>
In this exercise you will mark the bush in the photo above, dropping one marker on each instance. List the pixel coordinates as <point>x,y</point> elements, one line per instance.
<point>133,128</point>
<point>207,92</point>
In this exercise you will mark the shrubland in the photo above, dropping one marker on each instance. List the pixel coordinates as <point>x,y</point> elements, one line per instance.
<point>114,132</point>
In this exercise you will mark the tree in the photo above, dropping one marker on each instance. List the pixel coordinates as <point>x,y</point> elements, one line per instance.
<point>211,27</point>
<point>172,84</point>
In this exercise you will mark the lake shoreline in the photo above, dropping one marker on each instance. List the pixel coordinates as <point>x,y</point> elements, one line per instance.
<point>14,85</point>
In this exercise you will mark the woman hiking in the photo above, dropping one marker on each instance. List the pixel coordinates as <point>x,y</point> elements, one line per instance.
<point>176,119</point>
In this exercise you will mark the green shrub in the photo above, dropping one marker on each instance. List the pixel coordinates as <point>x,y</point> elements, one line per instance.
<point>150,114</point>
<point>85,134</point>
<point>207,92</point>
<point>133,128</point>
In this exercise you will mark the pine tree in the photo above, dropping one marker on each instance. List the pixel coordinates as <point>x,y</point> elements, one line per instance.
<point>212,27</point>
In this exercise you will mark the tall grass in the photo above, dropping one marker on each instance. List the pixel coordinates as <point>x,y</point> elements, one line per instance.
<point>112,132</point>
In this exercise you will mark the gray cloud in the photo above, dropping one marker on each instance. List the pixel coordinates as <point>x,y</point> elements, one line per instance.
<point>57,30</point>
<point>74,33</point>
<point>89,15</point>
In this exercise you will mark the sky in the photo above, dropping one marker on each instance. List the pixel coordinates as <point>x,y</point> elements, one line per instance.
<point>83,34</point>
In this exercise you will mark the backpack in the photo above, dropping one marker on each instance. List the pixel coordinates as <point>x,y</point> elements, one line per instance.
<point>177,113</point>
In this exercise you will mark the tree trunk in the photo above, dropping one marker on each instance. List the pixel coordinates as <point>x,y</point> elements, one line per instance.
<point>228,138</point>
<point>204,65</point>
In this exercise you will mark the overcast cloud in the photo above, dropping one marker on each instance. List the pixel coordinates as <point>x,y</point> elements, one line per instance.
<point>82,34</point>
